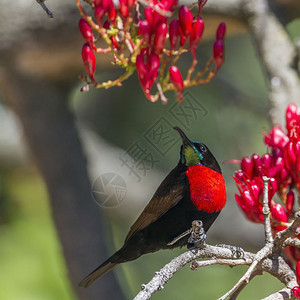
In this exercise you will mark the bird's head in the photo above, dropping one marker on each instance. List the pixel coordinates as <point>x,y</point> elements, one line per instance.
<point>196,153</point>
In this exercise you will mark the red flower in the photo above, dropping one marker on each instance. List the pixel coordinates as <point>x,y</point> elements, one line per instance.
<point>197,31</point>
<point>296,292</point>
<point>176,78</point>
<point>174,33</point>
<point>276,138</point>
<point>86,31</point>
<point>89,60</point>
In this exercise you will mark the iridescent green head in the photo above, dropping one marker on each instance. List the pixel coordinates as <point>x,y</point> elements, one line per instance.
<point>196,153</point>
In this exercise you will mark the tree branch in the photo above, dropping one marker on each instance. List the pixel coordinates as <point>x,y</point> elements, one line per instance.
<point>266,259</point>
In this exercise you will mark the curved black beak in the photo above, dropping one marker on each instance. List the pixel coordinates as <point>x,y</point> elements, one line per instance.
<point>185,140</point>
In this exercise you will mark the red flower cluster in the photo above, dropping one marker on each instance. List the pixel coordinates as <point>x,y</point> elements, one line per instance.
<point>282,166</point>
<point>153,49</point>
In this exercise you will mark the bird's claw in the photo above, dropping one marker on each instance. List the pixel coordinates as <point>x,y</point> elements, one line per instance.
<point>237,252</point>
<point>198,235</point>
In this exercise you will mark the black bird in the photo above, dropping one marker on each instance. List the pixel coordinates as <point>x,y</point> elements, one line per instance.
<point>193,190</point>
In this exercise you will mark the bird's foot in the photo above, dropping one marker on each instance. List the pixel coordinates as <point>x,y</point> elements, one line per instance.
<point>198,236</point>
<point>237,252</point>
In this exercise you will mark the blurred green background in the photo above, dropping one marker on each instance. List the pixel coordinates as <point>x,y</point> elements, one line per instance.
<point>31,260</point>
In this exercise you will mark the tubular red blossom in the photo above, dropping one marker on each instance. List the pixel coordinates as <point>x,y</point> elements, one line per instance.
<point>141,69</point>
<point>266,160</point>
<point>101,8</point>
<point>148,11</point>
<point>247,166</point>
<point>86,31</point>
<point>197,32</point>
<point>160,37</point>
<point>256,162</point>
<point>290,154</point>
<point>218,53</point>
<point>168,4</point>
<point>278,212</point>
<point>298,271</point>
<point>220,34</point>
<point>144,30</point>
<point>174,33</point>
<point>290,199</point>
<point>112,14</point>
<point>252,211</point>
<point>153,65</point>
<point>272,188</point>
<point>276,138</point>
<point>147,72</point>
<point>124,8</point>
<point>296,292</point>
<point>89,60</point>
<point>176,78</point>
<point>185,20</point>
<point>291,116</point>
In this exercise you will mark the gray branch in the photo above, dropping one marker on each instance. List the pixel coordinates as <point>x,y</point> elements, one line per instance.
<point>267,259</point>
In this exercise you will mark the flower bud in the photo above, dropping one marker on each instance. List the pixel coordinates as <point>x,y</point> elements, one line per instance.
<point>153,65</point>
<point>220,34</point>
<point>86,31</point>
<point>256,190</point>
<point>297,151</point>
<point>168,4</point>
<point>112,14</point>
<point>101,7</point>
<point>148,11</point>
<point>141,69</point>
<point>239,175</point>
<point>218,53</point>
<point>176,78</point>
<point>160,37</point>
<point>296,292</point>
<point>276,138</point>
<point>123,9</point>
<point>272,188</point>
<point>291,116</point>
<point>290,153</point>
<point>197,31</point>
<point>185,19</point>
<point>256,162</point>
<point>145,31</point>
<point>278,212</point>
<point>290,199</point>
<point>298,271</point>
<point>247,166</point>
<point>174,33</point>
<point>266,161</point>
<point>89,60</point>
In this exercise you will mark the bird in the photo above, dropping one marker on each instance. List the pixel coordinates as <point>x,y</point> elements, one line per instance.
<point>193,190</point>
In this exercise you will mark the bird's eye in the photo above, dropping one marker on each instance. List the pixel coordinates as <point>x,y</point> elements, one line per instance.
<point>203,148</point>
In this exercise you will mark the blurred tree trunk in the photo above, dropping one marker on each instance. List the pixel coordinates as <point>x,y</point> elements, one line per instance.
<point>54,143</point>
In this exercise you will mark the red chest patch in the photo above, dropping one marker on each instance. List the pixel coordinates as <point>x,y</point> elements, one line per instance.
<point>207,188</point>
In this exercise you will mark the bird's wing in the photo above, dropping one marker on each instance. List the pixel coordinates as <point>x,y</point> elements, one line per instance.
<point>168,194</point>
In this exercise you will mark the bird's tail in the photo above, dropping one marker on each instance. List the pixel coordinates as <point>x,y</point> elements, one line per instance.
<point>103,269</point>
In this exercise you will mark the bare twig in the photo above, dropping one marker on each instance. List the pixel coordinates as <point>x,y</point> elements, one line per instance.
<point>266,212</point>
<point>218,261</point>
<point>291,242</point>
<point>242,286</point>
<point>45,8</point>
